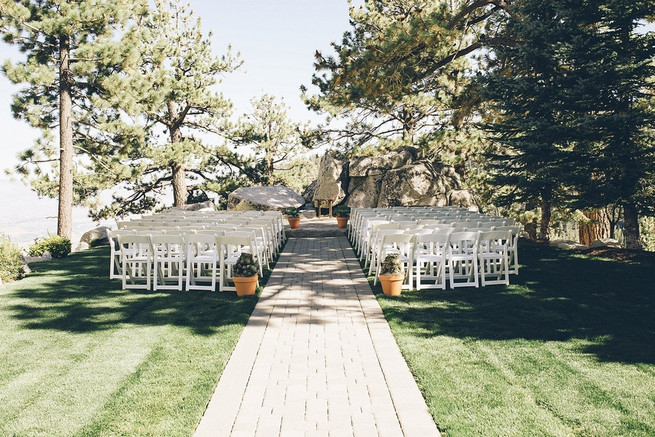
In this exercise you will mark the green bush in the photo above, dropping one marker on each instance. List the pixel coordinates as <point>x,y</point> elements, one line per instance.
<point>58,246</point>
<point>11,262</point>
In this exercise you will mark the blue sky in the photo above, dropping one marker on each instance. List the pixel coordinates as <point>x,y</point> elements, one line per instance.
<point>277,41</point>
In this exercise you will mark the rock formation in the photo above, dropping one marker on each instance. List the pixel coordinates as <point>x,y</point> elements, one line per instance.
<point>399,178</point>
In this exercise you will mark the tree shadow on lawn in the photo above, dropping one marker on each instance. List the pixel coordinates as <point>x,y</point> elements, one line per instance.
<point>558,296</point>
<point>75,294</point>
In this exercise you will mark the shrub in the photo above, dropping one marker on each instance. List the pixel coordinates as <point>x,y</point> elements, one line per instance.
<point>245,266</point>
<point>342,211</point>
<point>391,265</point>
<point>291,212</point>
<point>11,262</point>
<point>58,246</point>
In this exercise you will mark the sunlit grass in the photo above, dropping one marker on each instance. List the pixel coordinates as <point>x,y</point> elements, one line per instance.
<point>567,349</point>
<point>80,356</point>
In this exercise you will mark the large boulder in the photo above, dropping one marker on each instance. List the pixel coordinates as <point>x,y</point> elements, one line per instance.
<point>399,178</point>
<point>328,184</point>
<point>94,237</point>
<point>264,198</point>
<point>418,184</point>
<point>308,194</point>
<point>365,166</point>
<point>463,199</point>
<point>363,192</point>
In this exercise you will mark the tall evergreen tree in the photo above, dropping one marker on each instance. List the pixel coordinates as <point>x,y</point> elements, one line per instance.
<point>613,66</point>
<point>69,45</point>
<point>525,83</point>
<point>574,97</point>
<point>167,90</point>
<point>273,138</point>
<point>398,72</point>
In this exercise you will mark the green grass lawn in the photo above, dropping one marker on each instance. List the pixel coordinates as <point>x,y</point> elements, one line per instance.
<point>567,349</point>
<point>80,356</point>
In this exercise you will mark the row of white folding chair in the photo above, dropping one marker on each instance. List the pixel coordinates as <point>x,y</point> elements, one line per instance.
<point>210,260</point>
<point>266,235</point>
<point>379,231</point>
<point>359,230</point>
<point>357,222</point>
<point>165,257</point>
<point>364,234</point>
<point>468,257</point>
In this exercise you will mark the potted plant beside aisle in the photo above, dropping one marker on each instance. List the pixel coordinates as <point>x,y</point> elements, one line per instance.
<point>293,217</point>
<point>244,274</point>
<point>343,214</point>
<point>392,275</point>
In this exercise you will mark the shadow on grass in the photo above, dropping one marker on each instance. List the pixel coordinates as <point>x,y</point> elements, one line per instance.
<point>558,296</point>
<point>75,294</point>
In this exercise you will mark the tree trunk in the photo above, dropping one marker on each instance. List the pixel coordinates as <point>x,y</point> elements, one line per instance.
<point>598,228</point>
<point>631,227</point>
<point>544,225</point>
<point>178,169</point>
<point>179,184</point>
<point>65,212</point>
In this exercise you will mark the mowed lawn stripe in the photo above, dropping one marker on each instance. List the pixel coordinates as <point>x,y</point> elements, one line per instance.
<point>83,357</point>
<point>567,349</point>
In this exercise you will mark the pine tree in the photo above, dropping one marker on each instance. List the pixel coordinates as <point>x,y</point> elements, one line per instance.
<point>574,97</point>
<point>398,73</point>
<point>525,83</point>
<point>69,45</point>
<point>613,65</point>
<point>273,138</point>
<point>166,89</point>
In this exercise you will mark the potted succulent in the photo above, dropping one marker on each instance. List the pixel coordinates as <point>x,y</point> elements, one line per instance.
<point>392,275</point>
<point>244,274</point>
<point>343,214</point>
<point>293,217</point>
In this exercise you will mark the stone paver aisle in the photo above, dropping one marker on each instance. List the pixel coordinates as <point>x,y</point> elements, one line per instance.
<point>317,357</point>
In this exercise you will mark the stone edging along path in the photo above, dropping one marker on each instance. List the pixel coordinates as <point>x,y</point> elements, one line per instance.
<point>317,356</point>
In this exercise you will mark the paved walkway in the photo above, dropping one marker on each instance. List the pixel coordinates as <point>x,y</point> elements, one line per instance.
<point>317,357</point>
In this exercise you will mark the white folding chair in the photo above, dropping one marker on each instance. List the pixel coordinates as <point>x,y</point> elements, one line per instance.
<point>493,257</point>
<point>202,261</point>
<point>167,261</point>
<point>252,247</point>
<point>135,260</point>
<point>463,259</point>
<point>430,258</point>
<point>115,271</point>
<point>229,249</point>
<point>403,245</point>
<point>375,235</point>
<point>376,242</point>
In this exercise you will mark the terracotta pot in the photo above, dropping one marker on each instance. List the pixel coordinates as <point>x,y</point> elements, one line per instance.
<point>392,285</point>
<point>245,285</point>
<point>294,222</point>
<point>342,222</point>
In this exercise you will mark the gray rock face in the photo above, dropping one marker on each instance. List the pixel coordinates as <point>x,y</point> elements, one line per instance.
<point>464,199</point>
<point>99,233</point>
<point>328,184</point>
<point>264,198</point>
<point>308,194</point>
<point>396,179</point>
